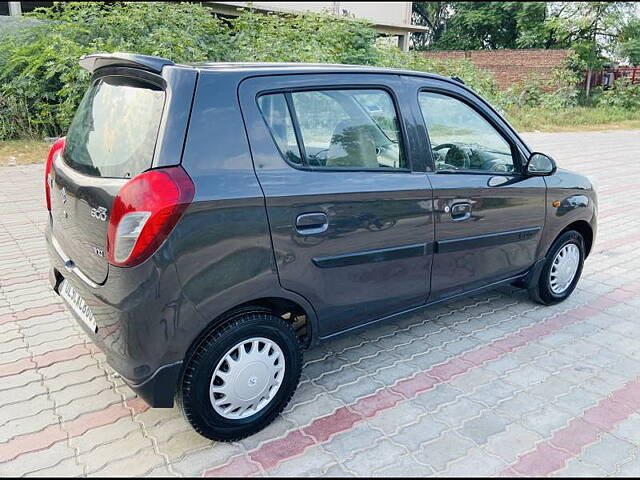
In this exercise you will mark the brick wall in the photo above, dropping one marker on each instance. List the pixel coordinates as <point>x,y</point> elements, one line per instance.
<point>509,66</point>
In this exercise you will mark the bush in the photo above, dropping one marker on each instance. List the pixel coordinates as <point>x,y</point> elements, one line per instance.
<point>475,78</point>
<point>623,96</point>
<point>39,62</point>
<point>311,38</point>
<point>553,93</point>
<point>41,82</point>
<point>14,119</point>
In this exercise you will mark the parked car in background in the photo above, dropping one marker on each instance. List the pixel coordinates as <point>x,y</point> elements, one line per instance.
<point>208,222</point>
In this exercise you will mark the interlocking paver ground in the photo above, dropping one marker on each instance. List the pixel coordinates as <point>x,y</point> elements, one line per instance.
<point>486,385</point>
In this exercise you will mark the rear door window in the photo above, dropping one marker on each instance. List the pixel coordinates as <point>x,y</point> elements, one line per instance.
<point>276,113</point>
<point>336,129</point>
<point>114,131</point>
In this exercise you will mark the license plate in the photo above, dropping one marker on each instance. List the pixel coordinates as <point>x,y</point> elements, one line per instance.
<point>75,301</point>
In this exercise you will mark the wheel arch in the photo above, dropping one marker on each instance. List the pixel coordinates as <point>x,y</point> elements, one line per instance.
<point>584,229</point>
<point>283,307</point>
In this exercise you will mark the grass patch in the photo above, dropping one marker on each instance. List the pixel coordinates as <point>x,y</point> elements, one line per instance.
<point>573,119</point>
<point>24,151</point>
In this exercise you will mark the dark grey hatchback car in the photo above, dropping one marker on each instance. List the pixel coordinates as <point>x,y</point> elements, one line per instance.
<point>208,222</point>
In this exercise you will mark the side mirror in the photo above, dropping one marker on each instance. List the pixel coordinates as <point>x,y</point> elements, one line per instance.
<point>540,165</point>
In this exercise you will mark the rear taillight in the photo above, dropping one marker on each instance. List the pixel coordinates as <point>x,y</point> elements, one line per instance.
<point>144,212</point>
<point>56,150</point>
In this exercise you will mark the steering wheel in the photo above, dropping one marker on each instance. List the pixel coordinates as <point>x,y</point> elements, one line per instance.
<point>456,157</point>
<point>316,159</point>
<point>498,167</point>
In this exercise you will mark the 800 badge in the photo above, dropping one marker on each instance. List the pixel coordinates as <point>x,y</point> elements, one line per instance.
<point>100,213</point>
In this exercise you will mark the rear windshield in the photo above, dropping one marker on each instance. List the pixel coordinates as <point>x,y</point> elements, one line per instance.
<point>114,131</point>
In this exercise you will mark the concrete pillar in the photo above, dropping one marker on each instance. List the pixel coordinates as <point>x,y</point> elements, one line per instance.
<point>403,42</point>
<point>15,9</point>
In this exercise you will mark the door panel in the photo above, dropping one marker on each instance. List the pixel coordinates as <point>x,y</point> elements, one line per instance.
<point>373,256</point>
<point>499,238</point>
<point>488,217</point>
<point>357,244</point>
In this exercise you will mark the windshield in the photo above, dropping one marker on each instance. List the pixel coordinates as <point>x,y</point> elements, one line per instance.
<point>114,131</point>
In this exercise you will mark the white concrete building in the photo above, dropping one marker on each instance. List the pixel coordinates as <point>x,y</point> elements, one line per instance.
<point>388,18</point>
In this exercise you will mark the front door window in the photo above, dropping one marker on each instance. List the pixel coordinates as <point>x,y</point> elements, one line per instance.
<point>461,139</point>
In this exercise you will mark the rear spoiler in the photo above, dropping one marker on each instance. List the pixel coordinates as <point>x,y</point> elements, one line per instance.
<point>145,62</point>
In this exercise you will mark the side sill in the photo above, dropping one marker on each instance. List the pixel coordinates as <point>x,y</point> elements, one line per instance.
<point>490,286</point>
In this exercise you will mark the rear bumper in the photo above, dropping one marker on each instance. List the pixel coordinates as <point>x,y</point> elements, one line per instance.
<point>158,391</point>
<point>139,312</point>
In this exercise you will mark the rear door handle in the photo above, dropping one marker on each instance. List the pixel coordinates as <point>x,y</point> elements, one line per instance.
<point>312,223</point>
<point>460,211</point>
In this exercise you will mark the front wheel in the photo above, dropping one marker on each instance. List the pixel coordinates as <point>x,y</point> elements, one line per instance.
<point>241,377</point>
<point>561,271</point>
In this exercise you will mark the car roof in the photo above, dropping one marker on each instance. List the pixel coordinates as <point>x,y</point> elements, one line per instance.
<point>284,68</point>
<point>156,64</point>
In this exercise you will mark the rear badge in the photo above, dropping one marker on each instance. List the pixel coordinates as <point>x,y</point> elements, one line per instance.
<point>100,213</point>
<point>98,251</point>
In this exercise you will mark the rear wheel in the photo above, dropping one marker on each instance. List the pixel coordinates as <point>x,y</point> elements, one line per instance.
<point>562,269</point>
<point>241,377</point>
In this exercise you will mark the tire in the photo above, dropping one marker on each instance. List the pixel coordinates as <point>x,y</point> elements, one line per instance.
<point>249,331</point>
<point>544,290</point>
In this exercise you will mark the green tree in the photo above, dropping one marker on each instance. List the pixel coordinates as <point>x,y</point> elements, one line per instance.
<point>434,16</point>
<point>630,41</point>
<point>491,25</point>
<point>592,29</point>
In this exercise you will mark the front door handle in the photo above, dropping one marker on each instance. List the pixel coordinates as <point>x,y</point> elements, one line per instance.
<point>312,223</point>
<point>460,211</point>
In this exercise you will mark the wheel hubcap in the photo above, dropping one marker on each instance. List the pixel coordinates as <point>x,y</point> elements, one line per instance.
<point>247,378</point>
<point>564,268</point>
